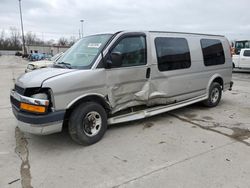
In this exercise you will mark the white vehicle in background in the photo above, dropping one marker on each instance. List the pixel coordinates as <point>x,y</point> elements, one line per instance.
<point>43,63</point>
<point>242,60</point>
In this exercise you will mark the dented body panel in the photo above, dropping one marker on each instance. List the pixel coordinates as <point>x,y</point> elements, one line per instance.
<point>127,87</point>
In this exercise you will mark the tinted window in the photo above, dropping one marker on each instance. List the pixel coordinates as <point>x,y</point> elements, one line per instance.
<point>213,53</point>
<point>247,53</point>
<point>172,53</point>
<point>133,50</point>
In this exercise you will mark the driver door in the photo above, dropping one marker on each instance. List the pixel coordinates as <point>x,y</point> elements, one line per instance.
<point>128,84</point>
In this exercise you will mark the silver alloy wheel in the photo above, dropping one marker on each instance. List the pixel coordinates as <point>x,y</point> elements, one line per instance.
<point>92,123</point>
<point>215,95</point>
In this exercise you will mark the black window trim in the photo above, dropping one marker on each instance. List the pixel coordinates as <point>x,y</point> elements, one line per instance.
<point>173,38</point>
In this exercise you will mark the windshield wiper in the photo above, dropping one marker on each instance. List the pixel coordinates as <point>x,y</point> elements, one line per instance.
<point>63,64</point>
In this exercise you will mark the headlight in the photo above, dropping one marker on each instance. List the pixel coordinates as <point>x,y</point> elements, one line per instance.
<point>37,103</point>
<point>43,96</point>
<point>31,67</point>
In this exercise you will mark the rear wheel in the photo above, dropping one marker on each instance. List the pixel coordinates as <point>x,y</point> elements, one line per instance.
<point>215,93</point>
<point>88,123</point>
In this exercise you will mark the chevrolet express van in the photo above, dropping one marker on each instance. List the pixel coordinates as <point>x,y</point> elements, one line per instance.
<point>112,78</point>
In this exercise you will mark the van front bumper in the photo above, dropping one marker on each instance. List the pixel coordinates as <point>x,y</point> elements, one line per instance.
<point>39,124</point>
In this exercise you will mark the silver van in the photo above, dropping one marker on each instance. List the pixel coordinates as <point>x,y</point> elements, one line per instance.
<point>112,78</point>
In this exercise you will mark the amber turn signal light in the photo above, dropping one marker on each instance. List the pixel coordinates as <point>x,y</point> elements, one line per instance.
<point>32,108</point>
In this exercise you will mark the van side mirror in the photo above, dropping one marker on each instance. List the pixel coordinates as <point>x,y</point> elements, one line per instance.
<point>108,64</point>
<point>115,60</point>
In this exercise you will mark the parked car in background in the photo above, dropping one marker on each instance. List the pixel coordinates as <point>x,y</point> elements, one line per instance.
<point>38,56</point>
<point>113,78</point>
<point>18,53</point>
<point>242,60</point>
<point>43,63</point>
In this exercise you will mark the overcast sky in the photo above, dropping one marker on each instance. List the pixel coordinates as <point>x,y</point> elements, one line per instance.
<point>55,18</point>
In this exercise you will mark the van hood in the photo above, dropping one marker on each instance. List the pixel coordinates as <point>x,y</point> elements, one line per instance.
<point>37,77</point>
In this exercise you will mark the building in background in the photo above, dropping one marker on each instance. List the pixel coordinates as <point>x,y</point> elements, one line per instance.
<point>47,49</point>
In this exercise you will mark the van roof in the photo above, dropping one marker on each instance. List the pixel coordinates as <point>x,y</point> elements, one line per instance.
<point>186,33</point>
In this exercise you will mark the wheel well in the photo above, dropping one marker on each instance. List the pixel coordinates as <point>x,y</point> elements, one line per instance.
<point>92,98</point>
<point>220,81</point>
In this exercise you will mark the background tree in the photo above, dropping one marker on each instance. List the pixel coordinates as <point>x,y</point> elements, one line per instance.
<point>72,40</point>
<point>11,40</point>
<point>63,41</point>
<point>30,38</point>
<point>2,39</point>
<point>15,38</point>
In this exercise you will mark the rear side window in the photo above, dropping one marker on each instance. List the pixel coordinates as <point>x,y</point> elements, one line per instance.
<point>213,53</point>
<point>246,53</point>
<point>172,53</point>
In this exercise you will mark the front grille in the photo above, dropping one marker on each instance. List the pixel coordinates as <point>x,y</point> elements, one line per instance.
<point>15,102</point>
<point>19,89</point>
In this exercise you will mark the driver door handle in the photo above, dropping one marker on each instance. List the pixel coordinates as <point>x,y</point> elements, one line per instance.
<point>148,73</point>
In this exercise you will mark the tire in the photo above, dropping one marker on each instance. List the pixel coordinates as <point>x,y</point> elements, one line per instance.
<point>215,93</point>
<point>233,65</point>
<point>87,123</point>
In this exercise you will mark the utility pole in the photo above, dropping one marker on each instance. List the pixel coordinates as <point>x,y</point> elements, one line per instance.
<point>82,27</point>
<point>20,9</point>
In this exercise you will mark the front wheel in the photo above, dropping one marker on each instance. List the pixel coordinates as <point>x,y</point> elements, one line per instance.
<point>88,123</point>
<point>215,93</point>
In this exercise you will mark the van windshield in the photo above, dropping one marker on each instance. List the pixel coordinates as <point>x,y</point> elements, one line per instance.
<point>84,52</point>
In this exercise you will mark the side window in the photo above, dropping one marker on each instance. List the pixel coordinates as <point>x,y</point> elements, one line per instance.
<point>246,53</point>
<point>172,53</point>
<point>133,51</point>
<point>213,53</point>
<point>247,45</point>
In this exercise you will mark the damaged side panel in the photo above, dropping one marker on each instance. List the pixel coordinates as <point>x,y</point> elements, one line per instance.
<point>127,87</point>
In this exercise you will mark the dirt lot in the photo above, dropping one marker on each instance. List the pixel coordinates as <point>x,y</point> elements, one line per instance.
<point>190,147</point>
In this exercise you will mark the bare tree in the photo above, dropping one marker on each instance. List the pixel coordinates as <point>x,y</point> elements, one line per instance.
<point>72,40</point>
<point>15,38</point>
<point>30,38</point>
<point>62,41</point>
<point>2,38</point>
<point>11,40</point>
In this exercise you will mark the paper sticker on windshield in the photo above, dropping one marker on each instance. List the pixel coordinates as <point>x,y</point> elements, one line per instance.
<point>94,45</point>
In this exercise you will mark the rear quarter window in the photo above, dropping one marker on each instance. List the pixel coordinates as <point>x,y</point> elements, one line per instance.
<point>213,53</point>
